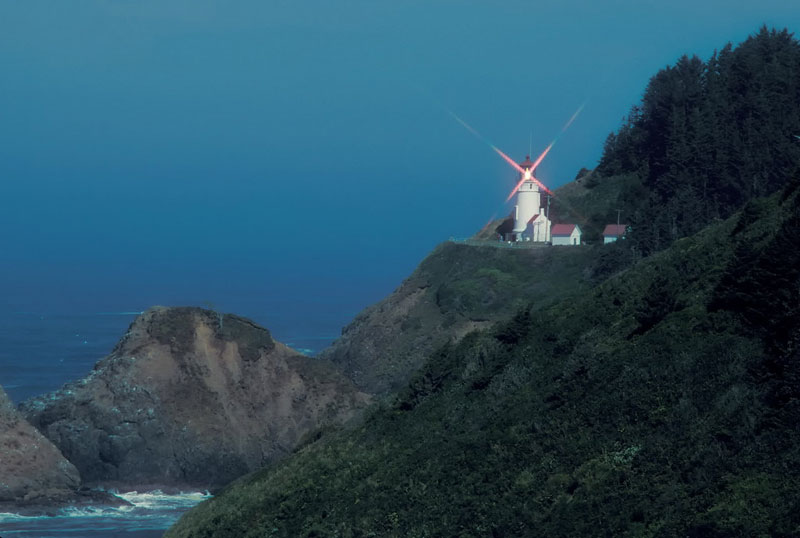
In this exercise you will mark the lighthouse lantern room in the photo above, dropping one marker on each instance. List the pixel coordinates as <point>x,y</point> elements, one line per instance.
<point>531,221</point>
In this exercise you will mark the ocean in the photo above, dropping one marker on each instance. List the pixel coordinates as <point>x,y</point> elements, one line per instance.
<point>42,350</point>
<point>149,516</point>
<point>56,322</point>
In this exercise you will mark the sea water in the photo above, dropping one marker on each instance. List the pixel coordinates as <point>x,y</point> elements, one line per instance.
<point>149,514</point>
<point>42,350</point>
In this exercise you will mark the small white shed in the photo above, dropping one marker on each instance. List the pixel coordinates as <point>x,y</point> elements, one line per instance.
<point>566,234</point>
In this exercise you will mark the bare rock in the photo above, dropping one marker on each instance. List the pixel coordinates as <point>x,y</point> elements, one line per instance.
<point>458,288</point>
<point>190,397</point>
<point>388,341</point>
<point>31,468</point>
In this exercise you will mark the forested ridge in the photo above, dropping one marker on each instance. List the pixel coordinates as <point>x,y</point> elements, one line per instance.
<point>660,401</point>
<point>706,138</point>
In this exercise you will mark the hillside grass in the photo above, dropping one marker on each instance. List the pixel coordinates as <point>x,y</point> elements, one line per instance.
<point>455,289</point>
<point>593,200</point>
<point>663,402</point>
<point>480,283</point>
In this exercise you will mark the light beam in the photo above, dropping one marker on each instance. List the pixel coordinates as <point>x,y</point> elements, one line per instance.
<point>512,162</point>
<point>478,135</point>
<point>544,153</point>
<point>530,176</point>
<point>509,160</point>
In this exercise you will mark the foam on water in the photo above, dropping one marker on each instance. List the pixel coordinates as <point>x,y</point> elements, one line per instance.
<point>148,516</point>
<point>159,500</point>
<point>43,350</point>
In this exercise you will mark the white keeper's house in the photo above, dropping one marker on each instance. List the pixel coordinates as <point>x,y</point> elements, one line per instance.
<point>565,234</point>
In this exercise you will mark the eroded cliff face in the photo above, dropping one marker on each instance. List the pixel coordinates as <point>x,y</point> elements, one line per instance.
<point>190,397</point>
<point>31,468</point>
<point>458,288</point>
<point>387,342</point>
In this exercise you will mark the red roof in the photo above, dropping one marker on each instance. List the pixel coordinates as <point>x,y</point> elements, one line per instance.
<point>615,230</point>
<point>527,163</point>
<point>562,229</point>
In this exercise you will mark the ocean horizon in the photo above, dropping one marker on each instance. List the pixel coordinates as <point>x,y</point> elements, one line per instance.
<point>43,350</point>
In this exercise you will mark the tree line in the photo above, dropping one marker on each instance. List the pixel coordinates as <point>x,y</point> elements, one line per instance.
<point>708,137</point>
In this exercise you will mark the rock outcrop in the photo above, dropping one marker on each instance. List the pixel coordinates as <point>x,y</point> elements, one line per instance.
<point>190,397</point>
<point>32,470</point>
<point>458,288</point>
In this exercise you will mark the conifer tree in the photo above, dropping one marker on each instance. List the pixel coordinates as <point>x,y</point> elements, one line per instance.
<point>709,136</point>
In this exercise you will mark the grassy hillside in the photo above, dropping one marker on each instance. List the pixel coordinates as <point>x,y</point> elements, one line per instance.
<point>456,289</point>
<point>664,402</point>
<point>592,202</point>
<point>707,137</point>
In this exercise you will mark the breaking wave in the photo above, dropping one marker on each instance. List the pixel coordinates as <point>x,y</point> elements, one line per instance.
<point>148,516</point>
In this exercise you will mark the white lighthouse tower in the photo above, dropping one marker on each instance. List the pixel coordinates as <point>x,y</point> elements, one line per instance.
<point>531,222</point>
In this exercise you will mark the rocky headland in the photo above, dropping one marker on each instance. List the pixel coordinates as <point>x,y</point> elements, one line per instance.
<point>190,397</point>
<point>32,469</point>
<point>458,288</point>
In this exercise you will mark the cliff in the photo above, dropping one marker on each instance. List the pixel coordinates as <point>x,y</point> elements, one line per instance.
<point>456,289</point>
<point>190,397</point>
<point>662,402</point>
<point>32,470</point>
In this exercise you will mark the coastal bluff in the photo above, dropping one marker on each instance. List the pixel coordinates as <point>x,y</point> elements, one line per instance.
<point>32,470</point>
<point>191,397</point>
<point>456,289</point>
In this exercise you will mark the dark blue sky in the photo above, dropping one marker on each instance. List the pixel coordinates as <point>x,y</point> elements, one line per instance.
<point>293,160</point>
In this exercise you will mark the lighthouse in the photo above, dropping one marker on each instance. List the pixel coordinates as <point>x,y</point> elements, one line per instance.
<point>531,222</point>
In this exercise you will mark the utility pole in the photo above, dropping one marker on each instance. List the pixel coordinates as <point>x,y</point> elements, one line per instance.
<point>618,212</point>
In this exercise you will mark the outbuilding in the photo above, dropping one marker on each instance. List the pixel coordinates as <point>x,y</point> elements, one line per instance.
<point>566,234</point>
<point>612,232</point>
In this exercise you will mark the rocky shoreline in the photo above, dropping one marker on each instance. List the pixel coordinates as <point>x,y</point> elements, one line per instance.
<point>42,505</point>
<point>188,399</point>
<point>32,469</point>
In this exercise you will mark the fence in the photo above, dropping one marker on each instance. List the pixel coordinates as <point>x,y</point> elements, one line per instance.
<point>499,244</point>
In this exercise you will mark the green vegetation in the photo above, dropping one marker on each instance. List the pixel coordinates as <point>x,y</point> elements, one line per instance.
<point>485,283</point>
<point>457,288</point>
<point>176,327</point>
<point>706,138</point>
<point>657,397</point>
<point>652,406</point>
<point>593,202</point>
